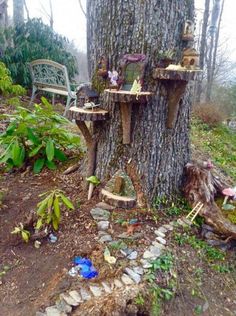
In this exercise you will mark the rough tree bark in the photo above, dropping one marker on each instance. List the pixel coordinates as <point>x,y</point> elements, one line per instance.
<point>156,155</point>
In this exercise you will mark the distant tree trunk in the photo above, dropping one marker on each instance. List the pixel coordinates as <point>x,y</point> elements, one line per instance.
<point>18,12</point>
<point>157,155</point>
<point>51,15</point>
<point>27,10</point>
<point>203,45</point>
<point>214,32</point>
<point>3,14</point>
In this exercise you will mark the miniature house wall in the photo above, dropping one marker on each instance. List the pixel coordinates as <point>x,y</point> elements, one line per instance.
<point>190,58</point>
<point>86,94</point>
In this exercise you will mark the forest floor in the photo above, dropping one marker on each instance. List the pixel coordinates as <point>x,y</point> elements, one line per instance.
<point>204,278</point>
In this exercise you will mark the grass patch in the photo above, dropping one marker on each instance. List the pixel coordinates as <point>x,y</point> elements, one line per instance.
<point>219,142</point>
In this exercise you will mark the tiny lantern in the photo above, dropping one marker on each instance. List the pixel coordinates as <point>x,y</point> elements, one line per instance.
<point>188,32</point>
<point>190,58</point>
<point>86,94</point>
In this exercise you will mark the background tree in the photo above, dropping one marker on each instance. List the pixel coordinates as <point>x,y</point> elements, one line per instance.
<point>156,155</point>
<point>3,14</point>
<point>18,12</point>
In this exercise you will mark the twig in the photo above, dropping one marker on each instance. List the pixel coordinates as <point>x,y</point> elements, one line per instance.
<point>82,9</point>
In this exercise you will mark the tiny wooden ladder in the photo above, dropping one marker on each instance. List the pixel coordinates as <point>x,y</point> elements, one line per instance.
<point>197,208</point>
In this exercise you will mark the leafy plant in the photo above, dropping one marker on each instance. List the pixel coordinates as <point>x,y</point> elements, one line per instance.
<point>94,180</point>
<point>36,136</point>
<point>33,40</point>
<point>6,84</point>
<point>25,234</point>
<point>167,54</point>
<point>49,209</point>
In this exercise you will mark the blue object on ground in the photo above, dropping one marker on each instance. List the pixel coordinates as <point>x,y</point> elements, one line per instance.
<point>87,269</point>
<point>133,221</point>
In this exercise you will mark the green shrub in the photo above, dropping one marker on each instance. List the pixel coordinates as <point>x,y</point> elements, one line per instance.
<point>36,136</point>
<point>6,85</point>
<point>35,40</point>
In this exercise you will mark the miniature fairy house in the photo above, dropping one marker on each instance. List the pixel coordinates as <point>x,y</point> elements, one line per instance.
<point>86,94</point>
<point>132,67</point>
<point>188,32</point>
<point>190,58</point>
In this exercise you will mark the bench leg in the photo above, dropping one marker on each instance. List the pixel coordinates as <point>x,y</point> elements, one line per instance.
<point>53,99</point>
<point>67,105</point>
<point>33,94</point>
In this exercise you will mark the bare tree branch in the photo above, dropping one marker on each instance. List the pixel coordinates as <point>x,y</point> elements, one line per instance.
<point>27,10</point>
<point>82,9</point>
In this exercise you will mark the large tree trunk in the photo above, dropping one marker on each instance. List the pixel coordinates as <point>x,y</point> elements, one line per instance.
<point>156,155</point>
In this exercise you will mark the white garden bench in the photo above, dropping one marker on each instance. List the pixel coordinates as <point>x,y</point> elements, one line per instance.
<point>52,77</point>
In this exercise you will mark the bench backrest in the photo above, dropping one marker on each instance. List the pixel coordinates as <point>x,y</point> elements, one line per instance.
<point>49,74</point>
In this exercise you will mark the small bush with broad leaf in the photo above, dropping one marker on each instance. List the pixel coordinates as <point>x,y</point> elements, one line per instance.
<point>6,84</point>
<point>36,136</point>
<point>19,230</point>
<point>49,209</point>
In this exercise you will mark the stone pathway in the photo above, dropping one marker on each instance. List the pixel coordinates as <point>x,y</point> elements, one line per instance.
<point>132,274</point>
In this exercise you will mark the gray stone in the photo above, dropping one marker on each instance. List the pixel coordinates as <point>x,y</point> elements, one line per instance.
<point>161,240</point>
<point>138,270</point>
<point>133,255</point>
<point>158,245</point>
<point>131,237</point>
<point>126,279</point>
<point>117,283</point>
<point>85,294</point>
<point>188,222</point>
<point>96,290</point>
<point>162,229</point>
<point>103,225</point>
<point>125,252</point>
<point>134,276</point>
<point>75,295</point>
<point>53,311</point>
<point>105,206</point>
<point>181,222</point>
<point>145,263</point>
<point>99,214</point>
<point>106,287</point>
<point>105,238</point>
<point>149,255</point>
<point>68,299</point>
<point>169,227</point>
<point>40,314</point>
<point>159,233</point>
<point>63,306</point>
<point>155,250</point>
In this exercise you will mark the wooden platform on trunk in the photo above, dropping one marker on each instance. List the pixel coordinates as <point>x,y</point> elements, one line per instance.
<point>80,114</point>
<point>168,74</point>
<point>118,201</point>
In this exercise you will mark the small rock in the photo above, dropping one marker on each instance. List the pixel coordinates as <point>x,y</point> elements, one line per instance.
<point>85,295</point>
<point>134,276</point>
<point>105,206</point>
<point>96,290</point>
<point>187,221</point>
<point>161,240</point>
<point>40,314</point>
<point>131,237</point>
<point>105,238</point>
<point>159,233</point>
<point>53,311</point>
<point>158,245</point>
<point>149,255</point>
<point>169,227</point>
<point>162,229</point>
<point>181,222</point>
<point>138,270</point>
<point>145,263</point>
<point>133,255</point>
<point>75,295</point>
<point>155,250</point>
<point>126,252</point>
<point>68,299</point>
<point>205,307</point>
<point>106,287</point>
<point>126,279</point>
<point>99,214</point>
<point>103,225</point>
<point>63,307</point>
<point>117,283</point>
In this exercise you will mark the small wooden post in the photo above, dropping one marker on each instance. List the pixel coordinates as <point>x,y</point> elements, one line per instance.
<point>126,111</point>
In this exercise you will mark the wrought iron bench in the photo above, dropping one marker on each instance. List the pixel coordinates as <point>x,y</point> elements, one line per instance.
<point>52,77</point>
